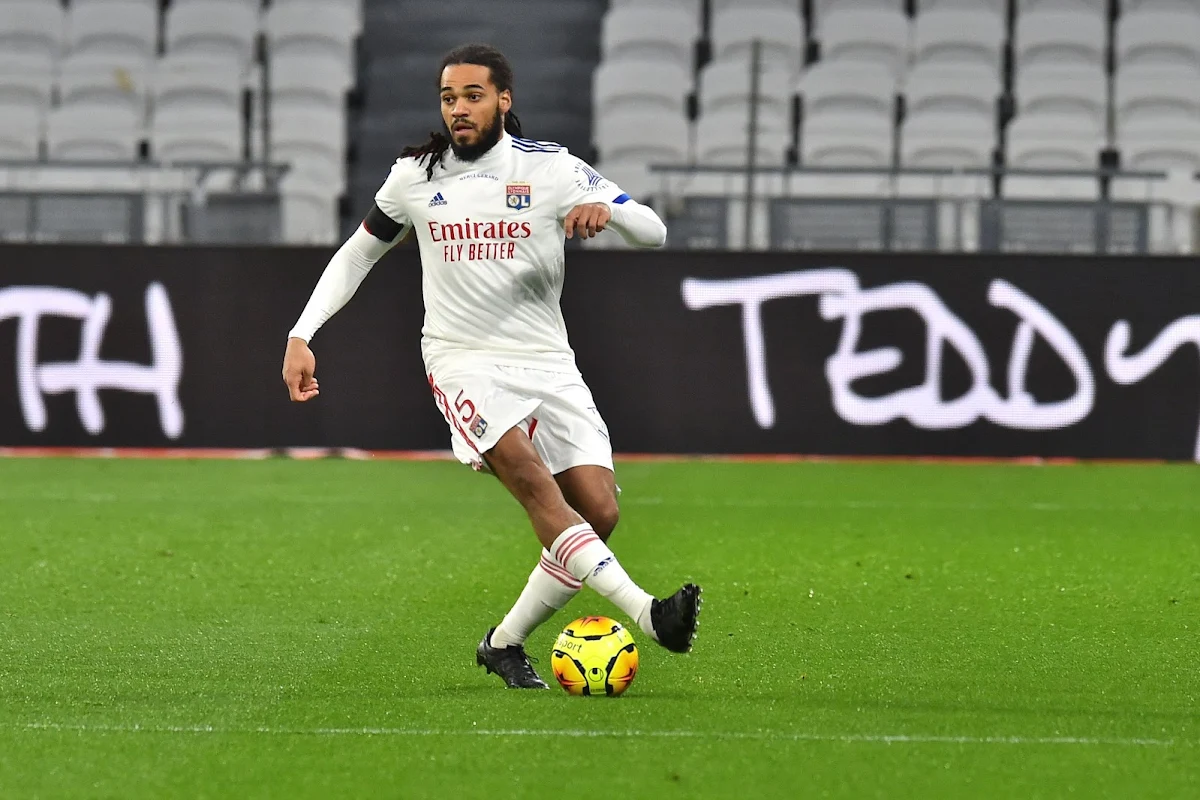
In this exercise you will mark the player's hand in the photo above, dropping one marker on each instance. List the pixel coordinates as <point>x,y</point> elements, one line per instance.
<point>587,220</point>
<point>299,364</point>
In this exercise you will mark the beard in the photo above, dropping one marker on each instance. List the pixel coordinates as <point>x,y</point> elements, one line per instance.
<point>487,140</point>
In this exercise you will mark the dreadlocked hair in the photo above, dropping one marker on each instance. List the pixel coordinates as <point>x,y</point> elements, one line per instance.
<point>432,152</point>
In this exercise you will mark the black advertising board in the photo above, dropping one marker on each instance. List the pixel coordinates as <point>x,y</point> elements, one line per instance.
<point>838,354</point>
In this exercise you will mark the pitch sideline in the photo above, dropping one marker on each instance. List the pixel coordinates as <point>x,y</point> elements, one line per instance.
<point>847,738</point>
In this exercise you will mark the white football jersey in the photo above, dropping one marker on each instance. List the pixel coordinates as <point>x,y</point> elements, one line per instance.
<point>491,239</point>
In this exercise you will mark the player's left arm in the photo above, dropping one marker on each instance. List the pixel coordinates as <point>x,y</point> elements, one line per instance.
<point>589,203</point>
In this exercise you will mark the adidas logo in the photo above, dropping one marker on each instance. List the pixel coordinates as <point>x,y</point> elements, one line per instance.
<point>437,200</point>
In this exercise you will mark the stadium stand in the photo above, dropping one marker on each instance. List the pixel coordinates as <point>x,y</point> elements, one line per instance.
<point>191,82</point>
<point>871,100</point>
<point>910,99</point>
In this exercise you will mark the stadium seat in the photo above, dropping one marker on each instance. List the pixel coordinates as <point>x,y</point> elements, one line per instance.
<point>313,141</point>
<point>1049,141</point>
<point>309,210</point>
<point>1059,36</point>
<point>957,35</point>
<point>724,138</point>
<point>780,30</point>
<point>1158,36</point>
<point>1136,5</point>
<point>849,113</point>
<point>944,86</point>
<point>115,27</point>
<point>316,80</point>
<point>823,8</point>
<point>22,83</point>
<point>20,130</point>
<point>314,29</point>
<point>98,78</point>
<point>868,90</point>
<point>692,7</point>
<point>354,7</point>
<point>1151,143</point>
<point>154,4</point>
<point>216,28</point>
<point>842,140</point>
<point>182,83</point>
<point>725,88</point>
<point>997,7</point>
<point>648,137</point>
<point>1045,140</point>
<point>721,5</point>
<point>655,33</point>
<point>622,85</point>
<point>1098,8</point>
<point>1162,92</point>
<point>199,133</point>
<point>31,32</point>
<point>94,132</point>
<point>1064,90</point>
<point>880,35</point>
<point>947,139</point>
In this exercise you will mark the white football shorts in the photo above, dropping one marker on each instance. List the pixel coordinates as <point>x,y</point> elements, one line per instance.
<point>555,409</point>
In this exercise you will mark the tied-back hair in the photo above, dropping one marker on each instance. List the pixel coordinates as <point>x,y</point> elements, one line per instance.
<point>433,151</point>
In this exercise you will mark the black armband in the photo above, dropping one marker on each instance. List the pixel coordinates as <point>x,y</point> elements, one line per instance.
<point>381,226</point>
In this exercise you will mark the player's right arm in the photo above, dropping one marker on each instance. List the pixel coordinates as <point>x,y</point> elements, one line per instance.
<point>385,225</point>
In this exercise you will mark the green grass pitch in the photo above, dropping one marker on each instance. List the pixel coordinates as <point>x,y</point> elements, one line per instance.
<point>307,629</point>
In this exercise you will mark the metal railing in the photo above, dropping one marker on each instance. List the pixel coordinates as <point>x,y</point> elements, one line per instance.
<point>1154,212</point>
<point>143,202</point>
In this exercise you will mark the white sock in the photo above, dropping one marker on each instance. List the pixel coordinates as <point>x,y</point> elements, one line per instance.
<point>550,587</point>
<point>589,560</point>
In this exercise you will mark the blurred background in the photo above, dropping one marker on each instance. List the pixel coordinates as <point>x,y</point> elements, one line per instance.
<point>954,125</point>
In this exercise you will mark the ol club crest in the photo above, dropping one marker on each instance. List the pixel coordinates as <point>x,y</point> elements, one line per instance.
<point>518,196</point>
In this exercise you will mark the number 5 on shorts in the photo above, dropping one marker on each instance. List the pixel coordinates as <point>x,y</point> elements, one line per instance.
<point>460,403</point>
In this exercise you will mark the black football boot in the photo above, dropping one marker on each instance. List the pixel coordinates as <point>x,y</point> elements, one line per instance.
<point>676,619</point>
<point>510,663</point>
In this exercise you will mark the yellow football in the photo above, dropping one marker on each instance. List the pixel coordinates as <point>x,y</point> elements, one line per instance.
<point>594,656</point>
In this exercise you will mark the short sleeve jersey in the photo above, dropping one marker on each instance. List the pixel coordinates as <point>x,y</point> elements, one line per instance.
<point>491,238</point>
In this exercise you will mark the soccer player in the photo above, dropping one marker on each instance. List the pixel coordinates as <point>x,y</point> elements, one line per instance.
<point>490,210</point>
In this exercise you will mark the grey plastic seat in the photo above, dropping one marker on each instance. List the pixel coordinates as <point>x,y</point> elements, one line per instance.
<point>25,83</point>
<point>866,34</point>
<point>1063,90</point>
<point>653,34</point>
<point>621,85</point>
<point>947,139</point>
<point>1060,36</point>
<point>221,29</point>
<point>959,35</point>
<point>196,133</point>
<point>125,28</point>
<point>31,32</point>
<point>21,127</point>
<point>93,132</point>
<point>779,30</point>
<point>99,78</point>
<point>1158,36</point>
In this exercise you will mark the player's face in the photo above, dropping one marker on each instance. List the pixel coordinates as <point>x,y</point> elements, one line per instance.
<point>472,108</point>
